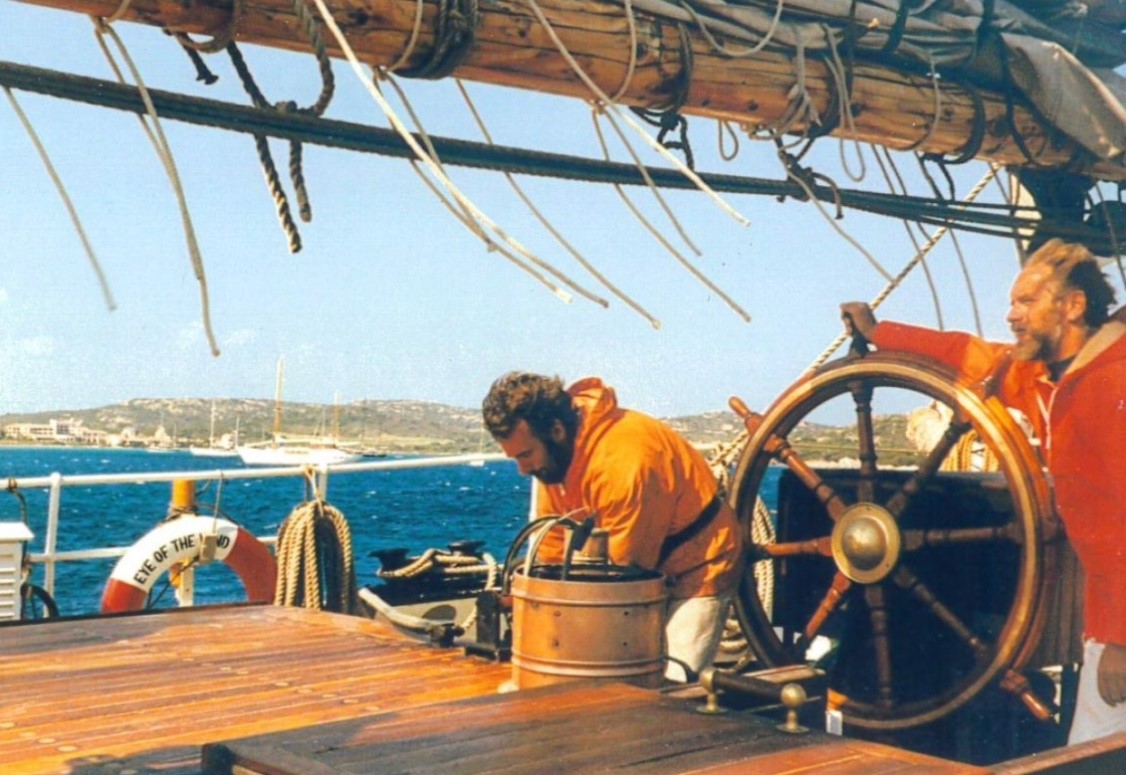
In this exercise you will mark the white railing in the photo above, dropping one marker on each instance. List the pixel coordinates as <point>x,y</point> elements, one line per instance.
<point>56,484</point>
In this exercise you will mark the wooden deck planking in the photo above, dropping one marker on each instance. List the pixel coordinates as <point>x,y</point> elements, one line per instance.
<point>562,729</point>
<point>134,692</point>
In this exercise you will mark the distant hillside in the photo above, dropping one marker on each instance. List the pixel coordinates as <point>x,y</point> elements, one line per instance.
<point>402,426</point>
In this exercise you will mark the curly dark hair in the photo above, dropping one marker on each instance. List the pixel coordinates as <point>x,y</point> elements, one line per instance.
<point>534,398</point>
<point>1075,268</point>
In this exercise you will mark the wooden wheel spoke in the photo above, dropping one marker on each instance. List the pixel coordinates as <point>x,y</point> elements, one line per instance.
<point>812,547</point>
<point>910,488</point>
<point>913,540</point>
<point>866,484</point>
<point>875,597</point>
<point>905,578</point>
<point>829,603</point>
<point>781,450</point>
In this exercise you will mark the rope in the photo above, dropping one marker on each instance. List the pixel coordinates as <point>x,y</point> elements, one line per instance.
<point>627,79</point>
<point>799,175</point>
<point>454,23</point>
<point>103,283</point>
<point>880,162</point>
<point>688,265</point>
<point>463,212</point>
<point>722,49</point>
<point>163,150</point>
<point>559,238</point>
<point>763,533</point>
<point>218,42</point>
<point>605,100</point>
<point>971,454</point>
<point>895,283</point>
<point>427,160</point>
<point>412,39</point>
<point>296,174</point>
<point>315,564</point>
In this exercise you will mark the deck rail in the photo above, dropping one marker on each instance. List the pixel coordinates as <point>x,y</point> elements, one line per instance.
<point>56,484</point>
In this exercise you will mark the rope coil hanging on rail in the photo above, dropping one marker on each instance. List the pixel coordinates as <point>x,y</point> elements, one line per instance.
<point>315,562</point>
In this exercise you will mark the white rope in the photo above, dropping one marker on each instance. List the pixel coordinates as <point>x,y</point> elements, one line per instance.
<point>396,123</point>
<point>741,52</point>
<point>890,287</point>
<point>596,111</point>
<point>164,153</point>
<point>723,128</point>
<point>836,227</point>
<point>602,97</point>
<point>120,12</point>
<point>836,70</point>
<point>468,219</point>
<point>902,190</point>
<point>628,79</point>
<point>412,41</point>
<point>654,322</point>
<point>661,239</point>
<point>54,175</point>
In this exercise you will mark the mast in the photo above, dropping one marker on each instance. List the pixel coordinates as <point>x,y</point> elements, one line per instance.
<point>674,62</point>
<point>278,380</point>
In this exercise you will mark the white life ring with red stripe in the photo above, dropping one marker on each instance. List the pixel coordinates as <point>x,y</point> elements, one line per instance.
<point>180,541</point>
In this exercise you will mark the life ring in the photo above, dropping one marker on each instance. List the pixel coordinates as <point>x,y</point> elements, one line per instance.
<point>180,541</point>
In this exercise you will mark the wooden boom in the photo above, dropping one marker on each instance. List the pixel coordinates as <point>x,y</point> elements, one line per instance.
<point>510,47</point>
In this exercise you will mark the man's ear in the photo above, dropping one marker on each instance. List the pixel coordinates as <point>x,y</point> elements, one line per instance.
<point>1075,306</point>
<point>558,432</point>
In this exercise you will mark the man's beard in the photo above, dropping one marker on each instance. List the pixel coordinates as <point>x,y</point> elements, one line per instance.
<point>1029,349</point>
<point>1035,345</point>
<point>559,455</point>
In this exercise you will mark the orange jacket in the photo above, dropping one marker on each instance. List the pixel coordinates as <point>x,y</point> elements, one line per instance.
<point>1081,423</point>
<point>644,482</point>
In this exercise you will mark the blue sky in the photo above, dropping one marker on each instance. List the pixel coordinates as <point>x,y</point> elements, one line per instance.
<point>391,298</point>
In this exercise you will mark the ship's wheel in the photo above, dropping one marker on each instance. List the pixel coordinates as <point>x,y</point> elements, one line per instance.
<point>915,590</point>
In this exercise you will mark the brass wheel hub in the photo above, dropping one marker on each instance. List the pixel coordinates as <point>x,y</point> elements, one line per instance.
<point>866,543</point>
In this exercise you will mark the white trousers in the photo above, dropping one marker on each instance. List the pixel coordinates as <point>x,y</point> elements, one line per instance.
<point>1093,716</point>
<point>692,632</point>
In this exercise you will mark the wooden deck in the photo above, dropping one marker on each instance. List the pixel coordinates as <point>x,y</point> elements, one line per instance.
<point>145,692</point>
<point>283,690</point>
<point>563,729</point>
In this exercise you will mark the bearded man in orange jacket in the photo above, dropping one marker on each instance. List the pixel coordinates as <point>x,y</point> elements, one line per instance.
<point>641,481</point>
<point>1067,372</point>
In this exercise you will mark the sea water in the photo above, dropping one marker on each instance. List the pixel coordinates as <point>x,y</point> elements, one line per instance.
<point>413,509</point>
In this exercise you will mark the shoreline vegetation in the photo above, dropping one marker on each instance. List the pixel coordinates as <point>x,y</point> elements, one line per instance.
<point>387,426</point>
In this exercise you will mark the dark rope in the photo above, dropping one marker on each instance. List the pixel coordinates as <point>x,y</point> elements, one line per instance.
<point>895,34</point>
<point>811,178</point>
<point>202,71</point>
<point>1010,116</point>
<point>923,159</point>
<point>455,25</point>
<point>980,217</point>
<point>668,119</point>
<point>220,41</point>
<point>973,145</point>
<point>311,27</point>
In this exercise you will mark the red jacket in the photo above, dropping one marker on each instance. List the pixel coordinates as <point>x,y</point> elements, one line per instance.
<point>1081,422</point>
<point>644,482</point>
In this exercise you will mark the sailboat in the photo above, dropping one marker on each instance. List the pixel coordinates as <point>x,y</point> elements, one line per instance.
<point>951,81</point>
<point>282,450</point>
<point>225,447</point>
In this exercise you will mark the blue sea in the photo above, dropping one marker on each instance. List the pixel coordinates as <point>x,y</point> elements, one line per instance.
<point>413,509</point>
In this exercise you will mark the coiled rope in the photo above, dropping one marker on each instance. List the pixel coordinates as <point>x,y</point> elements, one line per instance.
<point>315,563</point>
